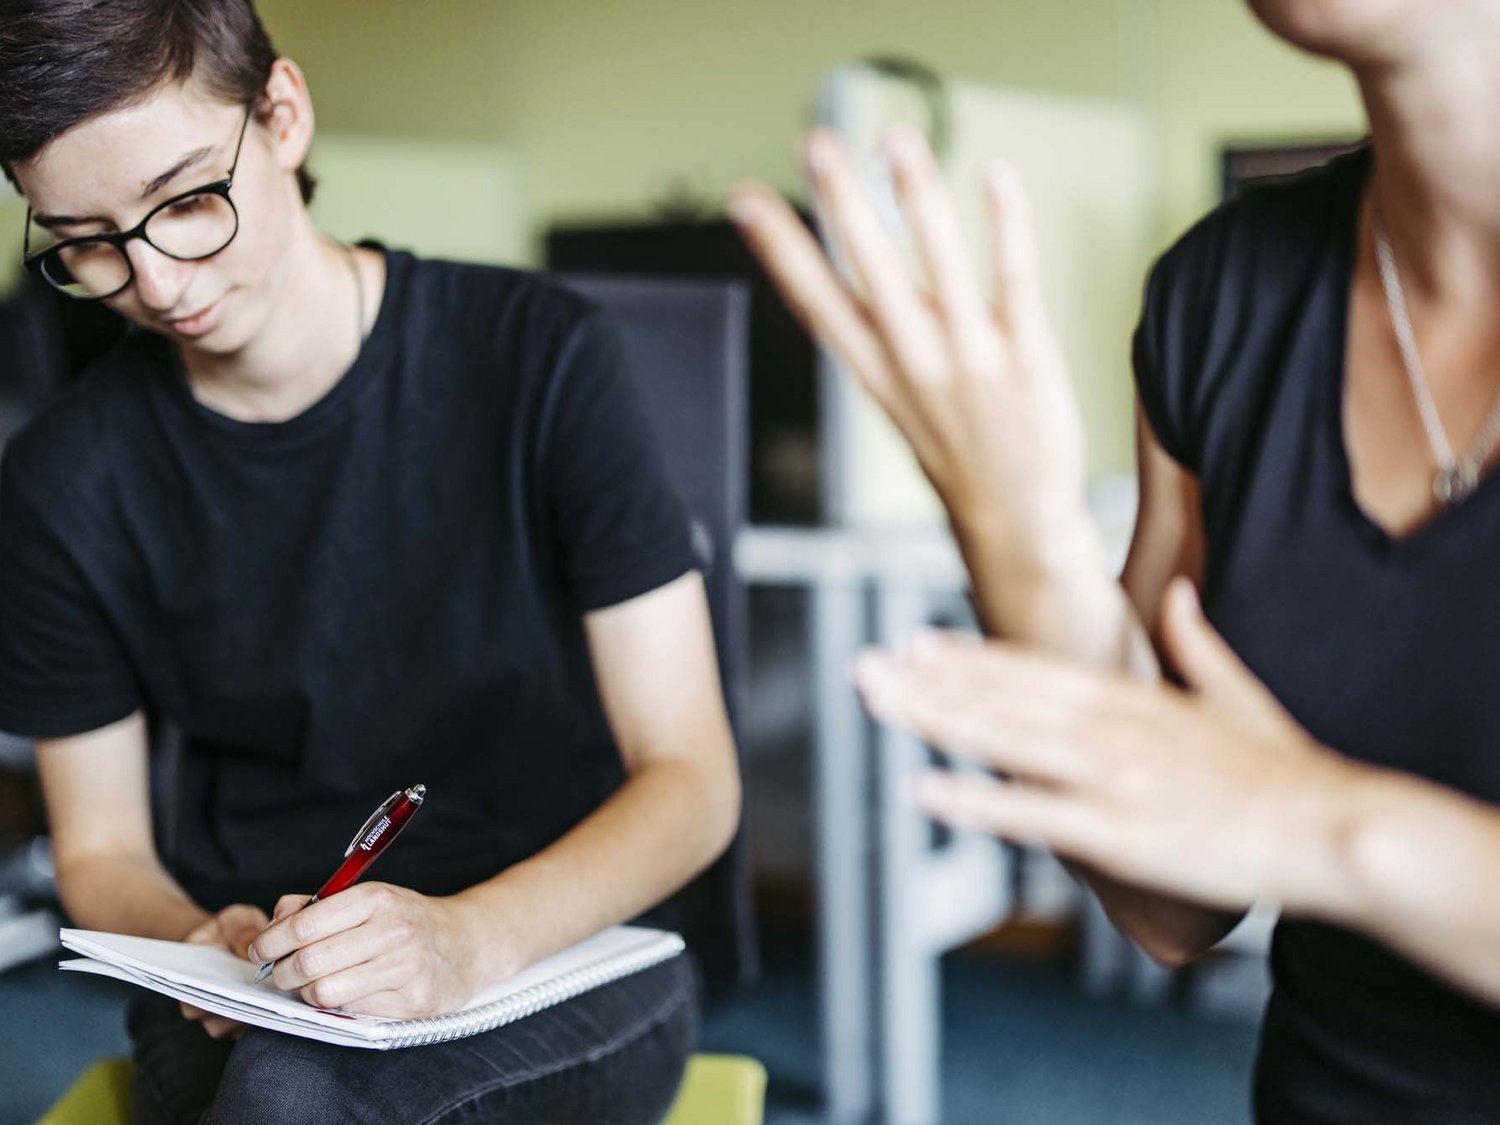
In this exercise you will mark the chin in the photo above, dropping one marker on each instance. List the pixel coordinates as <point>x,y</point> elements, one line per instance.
<point>1347,30</point>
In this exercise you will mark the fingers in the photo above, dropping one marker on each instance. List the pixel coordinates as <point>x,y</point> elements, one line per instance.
<point>294,929</point>
<point>205,933</point>
<point>1013,252</point>
<point>349,989</point>
<point>287,904</point>
<point>910,332</point>
<point>217,1027</point>
<point>220,1027</point>
<point>940,241</point>
<point>330,955</point>
<point>1205,660</point>
<point>980,705</point>
<point>240,925</point>
<point>1022,714</point>
<point>1020,813</point>
<point>395,1003</point>
<point>809,285</point>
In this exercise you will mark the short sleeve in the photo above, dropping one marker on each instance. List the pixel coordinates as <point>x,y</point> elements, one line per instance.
<point>62,670</point>
<point>621,525</point>
<point>1161,381</point>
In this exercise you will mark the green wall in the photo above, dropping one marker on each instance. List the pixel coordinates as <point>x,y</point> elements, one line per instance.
<point>610,107</point>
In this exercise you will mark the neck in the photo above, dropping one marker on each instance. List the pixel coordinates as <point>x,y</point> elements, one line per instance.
<point>309,336</point>
<point>1437,159</point>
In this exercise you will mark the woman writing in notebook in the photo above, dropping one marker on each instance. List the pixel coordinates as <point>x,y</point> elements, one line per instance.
<point>1318,365</point>
<point>348,520</point>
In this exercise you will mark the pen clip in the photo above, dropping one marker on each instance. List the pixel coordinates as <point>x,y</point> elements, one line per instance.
<point>385,807</point>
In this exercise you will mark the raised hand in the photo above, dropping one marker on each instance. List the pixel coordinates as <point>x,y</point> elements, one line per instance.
<point>978,388</point>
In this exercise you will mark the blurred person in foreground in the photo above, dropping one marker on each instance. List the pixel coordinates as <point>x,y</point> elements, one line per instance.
<point>1318,371</point>
<point>349,520</point>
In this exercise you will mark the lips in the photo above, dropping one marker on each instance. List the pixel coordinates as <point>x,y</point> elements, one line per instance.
<point>197,323</point>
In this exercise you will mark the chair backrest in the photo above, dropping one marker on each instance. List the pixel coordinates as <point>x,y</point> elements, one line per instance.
<point>686,345</point>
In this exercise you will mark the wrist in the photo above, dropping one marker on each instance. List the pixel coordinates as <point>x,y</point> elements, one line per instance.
<point>1046,552</point>
<point>1327,864</point>
<point>1049,588</point>
<point>491,949</point>
<point>186,921</point>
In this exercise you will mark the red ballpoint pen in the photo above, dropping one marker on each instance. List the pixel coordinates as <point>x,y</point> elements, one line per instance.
<point>373,837</point>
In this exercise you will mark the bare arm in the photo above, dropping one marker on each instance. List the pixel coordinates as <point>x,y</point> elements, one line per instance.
<point>678,809</point>
<point>389,951</point>
<point>98,805</point>
<point>1167,542</point>
<point>1070,607</point>
<point>1414,865</point>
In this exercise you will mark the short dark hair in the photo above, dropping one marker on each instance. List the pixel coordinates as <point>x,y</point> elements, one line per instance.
<point>63,62</point>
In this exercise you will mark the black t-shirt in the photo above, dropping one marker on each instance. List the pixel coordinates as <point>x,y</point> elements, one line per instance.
<point>386,589</point>
<point>1387,649</point>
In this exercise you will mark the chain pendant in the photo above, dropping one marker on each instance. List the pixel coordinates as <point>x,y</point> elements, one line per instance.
<point>1454,484</point>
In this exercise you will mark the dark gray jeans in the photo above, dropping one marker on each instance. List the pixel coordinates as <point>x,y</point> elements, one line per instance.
<point>615,1055</point>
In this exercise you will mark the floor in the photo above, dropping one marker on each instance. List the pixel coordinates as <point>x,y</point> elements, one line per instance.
<point>1022,1046</point>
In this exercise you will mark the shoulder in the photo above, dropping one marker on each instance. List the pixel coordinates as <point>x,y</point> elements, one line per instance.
<point>1272,232</point>
<point>69,446</point>
<point>513,307</point>
<point>1223,300</point>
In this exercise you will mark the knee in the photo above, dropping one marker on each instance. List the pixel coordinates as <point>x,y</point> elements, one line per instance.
<point>281,1079</point>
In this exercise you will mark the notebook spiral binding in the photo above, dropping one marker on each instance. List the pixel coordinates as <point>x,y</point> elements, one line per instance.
<point>440,1029</point>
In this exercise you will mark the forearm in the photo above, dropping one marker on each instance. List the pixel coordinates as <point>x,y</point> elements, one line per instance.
<point>1413,865</point>
<point>127,896</point>
<point>1057,597</point>
<point>665,824</point>
<point>1065,602</point>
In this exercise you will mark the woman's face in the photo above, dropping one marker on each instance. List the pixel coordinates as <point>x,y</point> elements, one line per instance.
<point>107,173</point>
<point>1368,31</point>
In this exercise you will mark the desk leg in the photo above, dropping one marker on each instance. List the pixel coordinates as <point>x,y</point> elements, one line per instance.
<point>841,829</point>
<point>908,1059</point>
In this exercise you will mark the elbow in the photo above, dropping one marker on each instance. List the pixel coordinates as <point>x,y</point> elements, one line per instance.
<point>726,804</point>
<point>78,884</point>
<point>1167,953</point>
<point>721,801</point>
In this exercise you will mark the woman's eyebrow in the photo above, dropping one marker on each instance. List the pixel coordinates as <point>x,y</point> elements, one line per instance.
<point>191,159</point>
<point>197,156</point>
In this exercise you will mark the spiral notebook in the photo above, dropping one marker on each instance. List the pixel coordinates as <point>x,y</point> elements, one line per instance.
<point>218,981</point>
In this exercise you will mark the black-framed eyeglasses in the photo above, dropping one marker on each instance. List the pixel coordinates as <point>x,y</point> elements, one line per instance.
<point>189,227</point>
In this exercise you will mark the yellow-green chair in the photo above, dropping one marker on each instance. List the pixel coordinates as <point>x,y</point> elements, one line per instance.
<point>100,1097</point>
<point>720,1090</point>
<point>716,1090</point>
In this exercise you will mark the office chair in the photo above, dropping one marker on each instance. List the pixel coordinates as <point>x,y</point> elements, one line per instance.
<point>687,351</point>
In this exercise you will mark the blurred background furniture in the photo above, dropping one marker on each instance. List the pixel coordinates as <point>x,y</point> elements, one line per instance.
<point>45,341</point>
<point>686,348</point>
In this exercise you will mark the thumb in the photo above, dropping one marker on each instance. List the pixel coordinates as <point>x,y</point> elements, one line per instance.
<point>241,925</point>
<point>1204,659</point>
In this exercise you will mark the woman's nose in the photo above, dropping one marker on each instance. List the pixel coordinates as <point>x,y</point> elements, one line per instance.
<point>159,280</point>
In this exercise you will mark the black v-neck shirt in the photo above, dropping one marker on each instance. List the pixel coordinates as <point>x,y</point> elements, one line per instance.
<point>1387,649</point>
<point>386,589</point>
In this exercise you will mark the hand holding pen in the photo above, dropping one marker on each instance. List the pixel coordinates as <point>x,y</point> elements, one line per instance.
<point>373,837</point>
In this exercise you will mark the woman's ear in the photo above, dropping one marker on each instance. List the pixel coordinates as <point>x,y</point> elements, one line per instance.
<point>289,120</point>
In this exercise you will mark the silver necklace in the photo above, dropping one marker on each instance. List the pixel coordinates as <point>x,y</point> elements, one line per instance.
<point>1456,477</point>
